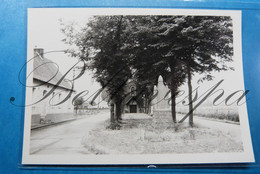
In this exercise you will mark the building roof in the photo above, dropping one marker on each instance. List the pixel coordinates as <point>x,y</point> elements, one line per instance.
<point>131,98</point>
<point>46,70</point>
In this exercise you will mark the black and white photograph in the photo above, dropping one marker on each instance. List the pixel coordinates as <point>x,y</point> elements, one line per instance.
<point>135,86</point>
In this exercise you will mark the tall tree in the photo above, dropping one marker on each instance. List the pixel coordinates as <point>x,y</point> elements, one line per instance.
<point>202,43</point>
<point>103,40</point>
<point>153,57</point>
<point>175,47</point>
<point>167,46</point>
<point>145,59</point>
<point>106,34</point>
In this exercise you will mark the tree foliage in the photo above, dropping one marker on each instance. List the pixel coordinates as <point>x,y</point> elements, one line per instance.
<point>201,43</point>
<point>145,47</point>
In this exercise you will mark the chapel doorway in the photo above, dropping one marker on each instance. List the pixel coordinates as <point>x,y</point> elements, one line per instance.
<point>133,108</point>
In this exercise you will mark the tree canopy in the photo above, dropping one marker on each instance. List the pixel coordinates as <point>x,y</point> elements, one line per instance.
<point>145,47</point>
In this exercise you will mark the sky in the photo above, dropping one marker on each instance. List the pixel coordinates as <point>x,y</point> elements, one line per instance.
<point>44,32</point>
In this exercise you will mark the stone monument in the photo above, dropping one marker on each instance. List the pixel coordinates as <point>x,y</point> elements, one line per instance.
<point>161,109</point>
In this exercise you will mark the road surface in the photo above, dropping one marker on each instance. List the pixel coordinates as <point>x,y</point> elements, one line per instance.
<point>66,137</point>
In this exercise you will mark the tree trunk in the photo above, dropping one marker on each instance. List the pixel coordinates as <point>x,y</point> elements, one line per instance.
<point>173,106</point>
<point>112,113</point>
<point>118,112</point>
<point>148,106</point>
<point>190,96</point>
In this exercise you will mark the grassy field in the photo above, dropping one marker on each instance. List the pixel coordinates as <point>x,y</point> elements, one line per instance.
<point>215,112</point>
<point>140,134</point>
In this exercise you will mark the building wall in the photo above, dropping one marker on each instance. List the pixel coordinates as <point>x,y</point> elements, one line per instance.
<point>46,107</point>
<point>128,109</point>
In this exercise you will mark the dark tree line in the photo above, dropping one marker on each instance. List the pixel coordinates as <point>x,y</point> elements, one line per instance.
<point>145,47</point>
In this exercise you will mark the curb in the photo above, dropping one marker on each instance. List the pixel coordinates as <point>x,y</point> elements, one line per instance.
<point>51,124</point>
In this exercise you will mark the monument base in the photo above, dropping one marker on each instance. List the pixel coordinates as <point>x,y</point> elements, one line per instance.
<point>162,116</point>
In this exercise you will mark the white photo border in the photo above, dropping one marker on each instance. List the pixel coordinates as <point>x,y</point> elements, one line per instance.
<point>188,158</point>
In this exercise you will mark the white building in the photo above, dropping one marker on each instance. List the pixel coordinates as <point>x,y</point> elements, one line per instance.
<point>46,77</point>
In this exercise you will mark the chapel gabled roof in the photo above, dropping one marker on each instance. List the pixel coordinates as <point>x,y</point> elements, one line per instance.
<point>131,98</point>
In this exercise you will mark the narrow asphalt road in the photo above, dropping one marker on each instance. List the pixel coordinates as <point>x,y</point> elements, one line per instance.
<point>66,137</point>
